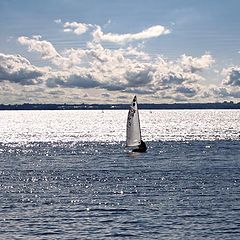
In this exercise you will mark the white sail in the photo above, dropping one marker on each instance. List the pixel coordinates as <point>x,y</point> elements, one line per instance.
<point>133,125</point>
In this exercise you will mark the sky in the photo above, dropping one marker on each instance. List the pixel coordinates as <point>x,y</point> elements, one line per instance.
<point>107,51</point>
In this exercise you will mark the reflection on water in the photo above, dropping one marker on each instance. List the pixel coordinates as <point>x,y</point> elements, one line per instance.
<point>68,175</point>
<point>110,126</point>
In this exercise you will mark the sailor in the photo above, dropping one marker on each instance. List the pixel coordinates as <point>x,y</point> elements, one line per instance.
<point>141,147</point>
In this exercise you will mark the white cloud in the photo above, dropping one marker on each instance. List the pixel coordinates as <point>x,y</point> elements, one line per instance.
<point>58,21</point>
<point>98,35</point>
<point>230,88</point>
<point>152,32</point>
<point>47,51</point>
<point>76,27</point>
<point>67,30</point>
<point>17,69</point>
<point>44,47</point>
<point>196,64</point>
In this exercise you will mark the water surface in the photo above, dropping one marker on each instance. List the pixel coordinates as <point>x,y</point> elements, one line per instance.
<point>68,175</point>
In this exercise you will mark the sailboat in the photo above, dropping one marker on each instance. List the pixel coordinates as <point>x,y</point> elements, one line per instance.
<point>134,137</point>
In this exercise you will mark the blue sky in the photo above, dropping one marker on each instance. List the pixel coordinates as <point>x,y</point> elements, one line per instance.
<point>106,51</point>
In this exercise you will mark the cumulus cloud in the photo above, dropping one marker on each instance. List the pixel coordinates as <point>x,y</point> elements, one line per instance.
<point>230,88</point>
<point>152,32</point>
<point>127,69</point>
<point>192,64</point>
<point>223,92</point>
<point>69,80</point>
<point>124,69</point>
<point>76,27</point>
<point>115,70</point>
<point>139,77</point>
<point>17,69</point>
<point>232,76</point>
<point>48,51</point>
<point>188,91</point>
<point>44,47</point>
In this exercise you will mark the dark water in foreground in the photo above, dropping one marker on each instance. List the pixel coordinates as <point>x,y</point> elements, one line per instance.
<point>93,190</point>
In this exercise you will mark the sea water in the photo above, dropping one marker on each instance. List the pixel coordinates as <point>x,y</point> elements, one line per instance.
<point>68,175</point>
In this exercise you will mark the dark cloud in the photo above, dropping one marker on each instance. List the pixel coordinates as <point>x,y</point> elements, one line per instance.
<point>106,95</point>
<point>233,77</point>
<point>172,79</point>
<point>73,81</point>
<point>187,91</point>
<point>139,78</point>
<point>113,86</point>
<point>17,69</point>
<point>23,77</point>
<point>140,90</point>
<point>122,97</point>
<point>56,92</point>
<point>220,92</point>
<point>82,81</point>
<point>225,93</point>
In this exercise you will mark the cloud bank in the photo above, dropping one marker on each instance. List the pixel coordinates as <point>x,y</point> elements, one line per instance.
<point>127,70</point>
<point>123,70</point>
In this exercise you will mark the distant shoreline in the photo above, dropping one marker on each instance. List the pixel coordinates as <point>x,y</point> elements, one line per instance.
<point>150,106</point>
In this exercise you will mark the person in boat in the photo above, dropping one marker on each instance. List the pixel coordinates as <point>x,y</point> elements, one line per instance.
<point>141,147</point>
